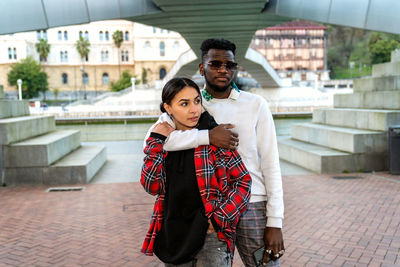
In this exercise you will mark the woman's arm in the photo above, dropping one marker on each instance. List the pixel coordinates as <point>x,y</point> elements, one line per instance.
<point>238,194</point>
<point>153,172</point>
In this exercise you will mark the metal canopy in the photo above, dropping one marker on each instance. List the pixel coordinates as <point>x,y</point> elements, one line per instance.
<point>236,20</point>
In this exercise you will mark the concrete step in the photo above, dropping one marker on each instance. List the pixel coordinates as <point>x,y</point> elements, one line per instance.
<point>386,69</point>
<point>20,128</point>
<point>42,150</point>
<point>340,138</point>
<point>78,167</point>
<point>369,84</point>
<point>325,160</point>
<point>13,108</point>
<point>370,119</point>
<point>368,100</point>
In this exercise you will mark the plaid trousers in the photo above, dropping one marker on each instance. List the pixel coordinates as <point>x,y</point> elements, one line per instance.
<point>250,232</point>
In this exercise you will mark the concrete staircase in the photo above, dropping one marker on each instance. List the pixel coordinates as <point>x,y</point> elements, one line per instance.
<point>352,136</point>
<point>34,152</point>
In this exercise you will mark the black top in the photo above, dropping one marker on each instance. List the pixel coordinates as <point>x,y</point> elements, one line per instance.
<point>185,225</point>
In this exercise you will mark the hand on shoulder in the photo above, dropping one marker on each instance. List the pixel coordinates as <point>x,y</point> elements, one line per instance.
<point>163,128</point>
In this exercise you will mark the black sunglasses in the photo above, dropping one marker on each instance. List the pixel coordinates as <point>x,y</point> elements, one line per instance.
<point>216,65</point>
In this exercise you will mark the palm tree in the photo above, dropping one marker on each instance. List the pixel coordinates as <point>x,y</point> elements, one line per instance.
<point>82,46</point>
<point>118,38</point>
<point>43,48</point>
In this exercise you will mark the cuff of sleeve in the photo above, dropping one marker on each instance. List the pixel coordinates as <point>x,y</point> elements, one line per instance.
<point>203,138</point>
<point>158,136</point>
<point>274,222</point>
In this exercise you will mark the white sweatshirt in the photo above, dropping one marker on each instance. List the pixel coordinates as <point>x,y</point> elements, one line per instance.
<point>253,121</point>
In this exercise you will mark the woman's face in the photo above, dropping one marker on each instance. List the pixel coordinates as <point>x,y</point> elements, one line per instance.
<point>185,108</point>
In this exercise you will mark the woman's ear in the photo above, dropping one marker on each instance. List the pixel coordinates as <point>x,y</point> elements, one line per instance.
<point>167,108</point>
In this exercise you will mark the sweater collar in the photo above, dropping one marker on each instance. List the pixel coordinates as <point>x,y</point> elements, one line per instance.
<point>233,95</point>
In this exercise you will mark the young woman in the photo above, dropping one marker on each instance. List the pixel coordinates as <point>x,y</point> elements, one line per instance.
<point>201,192</point>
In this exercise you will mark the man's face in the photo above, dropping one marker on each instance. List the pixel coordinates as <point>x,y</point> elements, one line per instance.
<point>218,68</point>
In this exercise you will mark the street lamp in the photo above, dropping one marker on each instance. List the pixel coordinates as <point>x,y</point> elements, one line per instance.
<point>19,82</point>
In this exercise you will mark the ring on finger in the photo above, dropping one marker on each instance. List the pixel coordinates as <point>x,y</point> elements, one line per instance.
<point>281,252</point>
<point>268,251</point>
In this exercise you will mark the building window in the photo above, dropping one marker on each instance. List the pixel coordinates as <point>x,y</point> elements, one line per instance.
<point>59,35</point>
<point>104,56</point>
<point>41,35</point>
<point>64,56</point>
<point>15,53</point>
<point>163,72</point>
<point>162,49</point>
<point>64,78</point>
<point>161,30</point>
<point>86,35</point>
<point>154,29</point>
<point>176,47</point>
<point>87,58</point>
<point>124,56</point>
<point>65,36</point>
<point>107,36</point>
<point>85,78</point>
<point>101,36</point>
<point>80,34</point>
<point>105,78</point>
<point>147,45</point>
<point>9,53</point>
<point>126,36</point>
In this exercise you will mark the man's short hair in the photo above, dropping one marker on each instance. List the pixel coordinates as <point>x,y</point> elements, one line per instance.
<point>216,44</point>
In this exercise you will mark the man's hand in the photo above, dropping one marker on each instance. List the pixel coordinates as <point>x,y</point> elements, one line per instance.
<point>222,136</point>
<point>273,240</point>
<point>163,128</point>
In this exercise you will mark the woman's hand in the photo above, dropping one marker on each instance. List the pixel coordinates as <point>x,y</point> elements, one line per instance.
<point>210,229</point>
<point>163,128</point>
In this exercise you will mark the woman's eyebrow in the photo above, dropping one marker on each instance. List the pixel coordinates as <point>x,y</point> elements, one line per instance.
<point>184,99</point>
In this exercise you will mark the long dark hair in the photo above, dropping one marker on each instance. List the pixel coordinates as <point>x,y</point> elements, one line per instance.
<point>174,86</point>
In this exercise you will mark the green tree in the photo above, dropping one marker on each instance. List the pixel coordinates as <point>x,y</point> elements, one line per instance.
<point>43,48</point>
<point>83,48</point>
<point>123,83</point>
<point>118,38</point>
<point>381,45</point>
<point>144,76</point>
<point>34,80</point>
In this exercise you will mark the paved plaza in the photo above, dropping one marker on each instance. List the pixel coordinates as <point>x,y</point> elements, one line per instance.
<point>329,222</point>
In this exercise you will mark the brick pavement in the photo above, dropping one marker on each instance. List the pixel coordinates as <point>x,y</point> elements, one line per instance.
<point>329,222</point>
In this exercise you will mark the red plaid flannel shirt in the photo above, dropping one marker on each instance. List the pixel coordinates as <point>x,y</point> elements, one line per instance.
<point>223,181</point>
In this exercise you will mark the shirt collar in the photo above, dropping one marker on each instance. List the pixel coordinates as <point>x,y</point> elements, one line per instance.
<point>233,95</point>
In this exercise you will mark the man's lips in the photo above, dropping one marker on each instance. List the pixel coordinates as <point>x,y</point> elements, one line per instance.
<point>222,79</point>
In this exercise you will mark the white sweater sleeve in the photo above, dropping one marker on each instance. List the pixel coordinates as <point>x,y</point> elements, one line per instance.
<point>268,151</point>
<point>180,140</point>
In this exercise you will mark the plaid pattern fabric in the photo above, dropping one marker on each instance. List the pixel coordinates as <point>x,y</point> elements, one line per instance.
<point>250,232</point>
<point>224,185</point>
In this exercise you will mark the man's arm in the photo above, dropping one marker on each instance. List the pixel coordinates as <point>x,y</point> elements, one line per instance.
<point>220,136</point>
<point>268,150</point>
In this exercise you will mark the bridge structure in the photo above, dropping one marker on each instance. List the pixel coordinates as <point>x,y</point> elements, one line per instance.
<point>235,20</point>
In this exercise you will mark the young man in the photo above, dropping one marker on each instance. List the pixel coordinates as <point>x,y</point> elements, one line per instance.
<point>252,121</point>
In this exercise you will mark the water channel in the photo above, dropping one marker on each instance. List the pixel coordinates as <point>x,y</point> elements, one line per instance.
<point>136,131</point>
